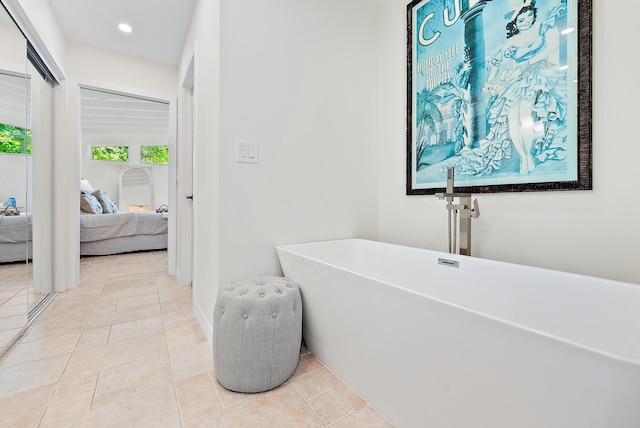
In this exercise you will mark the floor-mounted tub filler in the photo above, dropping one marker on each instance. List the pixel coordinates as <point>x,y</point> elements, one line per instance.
<point>432,339</point>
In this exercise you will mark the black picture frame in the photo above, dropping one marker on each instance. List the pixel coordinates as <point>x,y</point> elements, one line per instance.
<point>578,105</point>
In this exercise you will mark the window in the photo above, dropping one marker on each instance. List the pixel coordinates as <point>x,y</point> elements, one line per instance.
<point>158,155</point>
<point>14,139</point>
<point>113,153</point>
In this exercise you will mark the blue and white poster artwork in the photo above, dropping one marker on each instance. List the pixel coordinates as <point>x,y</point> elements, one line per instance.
<point>493,87</point>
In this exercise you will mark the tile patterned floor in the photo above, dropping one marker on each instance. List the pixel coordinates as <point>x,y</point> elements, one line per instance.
<point>13,300</point>
<point>124,350</point>
<point>16,299</point>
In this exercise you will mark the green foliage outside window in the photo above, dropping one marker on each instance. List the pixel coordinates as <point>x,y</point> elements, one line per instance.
<point>14,139</point>
<point>115,153</point>
<point>158,155</point>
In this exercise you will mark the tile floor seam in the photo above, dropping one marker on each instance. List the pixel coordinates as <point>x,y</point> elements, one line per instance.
<point>353,410</point>
<point>84,327</point>
<point>215,388</point>
<point>95,388</point>
<point>313,412</point>
<point>108,334</point>
<point>306,401</point>
<point>44,412</point>
<point>185,423</point>
<point>93,311</point>
<point>337,421</point>
<point>173,380</point>
<point>123,398</point>
<point>171,376</point>
<point>52,401</point>
<point>140,358</point>
<point>313,371</point>
<point>66,366</point>
<point>175,394</point>
<point>315,396</point>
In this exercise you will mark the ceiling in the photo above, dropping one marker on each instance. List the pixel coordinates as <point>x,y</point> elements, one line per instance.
<point>159,27</point>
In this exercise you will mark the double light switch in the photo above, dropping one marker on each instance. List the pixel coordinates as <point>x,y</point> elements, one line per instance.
<point>247,152</point>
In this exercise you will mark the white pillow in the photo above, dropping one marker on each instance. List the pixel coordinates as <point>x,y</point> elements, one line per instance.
<point>86,186</point>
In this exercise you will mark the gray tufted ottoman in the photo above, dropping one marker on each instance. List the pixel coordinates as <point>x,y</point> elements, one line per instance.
<point>257,332</point>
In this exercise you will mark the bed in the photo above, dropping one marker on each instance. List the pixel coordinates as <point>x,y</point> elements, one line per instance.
<point>122,232</point>
<point>15,238</point>
<point>105,230</point>
<point>100,234</point>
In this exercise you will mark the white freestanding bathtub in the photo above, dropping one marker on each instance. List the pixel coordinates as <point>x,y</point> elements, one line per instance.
<point>437,340</point>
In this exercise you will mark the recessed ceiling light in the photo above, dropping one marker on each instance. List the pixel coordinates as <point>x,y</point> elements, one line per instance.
<point>125,28</point>
<point>567,30</point>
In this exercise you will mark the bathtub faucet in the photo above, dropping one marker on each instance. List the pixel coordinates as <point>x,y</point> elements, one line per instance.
<point>459,216</point>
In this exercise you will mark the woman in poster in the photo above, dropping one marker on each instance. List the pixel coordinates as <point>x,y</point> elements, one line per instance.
<point>527,104</point>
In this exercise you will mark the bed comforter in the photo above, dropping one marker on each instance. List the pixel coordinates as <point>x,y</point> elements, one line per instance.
<point>15,228</point>
<point>15,238</point>
<point>104,234</point>
<point>98,227</point>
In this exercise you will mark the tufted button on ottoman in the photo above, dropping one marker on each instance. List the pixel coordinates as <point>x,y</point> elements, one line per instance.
<point>257,332</point>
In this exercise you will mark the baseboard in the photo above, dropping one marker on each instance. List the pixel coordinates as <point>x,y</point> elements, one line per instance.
<point>203,320</point>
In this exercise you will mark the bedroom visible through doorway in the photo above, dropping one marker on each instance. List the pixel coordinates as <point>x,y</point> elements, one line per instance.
<point>124,149</point>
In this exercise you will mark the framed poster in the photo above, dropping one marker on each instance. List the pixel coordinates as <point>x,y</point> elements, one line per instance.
<point>501,91</point>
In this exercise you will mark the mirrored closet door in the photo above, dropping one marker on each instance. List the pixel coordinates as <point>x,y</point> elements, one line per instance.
<point>15,148</point>
<point>26,129</point>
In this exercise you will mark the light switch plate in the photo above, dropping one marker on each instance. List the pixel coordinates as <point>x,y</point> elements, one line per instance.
<point>247,152</point>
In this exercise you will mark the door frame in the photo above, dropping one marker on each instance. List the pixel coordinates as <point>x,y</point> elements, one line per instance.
<point>184,180</point>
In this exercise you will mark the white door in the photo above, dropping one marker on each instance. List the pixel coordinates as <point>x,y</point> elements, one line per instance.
<point>184,183</point>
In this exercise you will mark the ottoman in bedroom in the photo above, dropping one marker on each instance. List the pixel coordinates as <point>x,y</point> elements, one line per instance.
<point>257,332</point>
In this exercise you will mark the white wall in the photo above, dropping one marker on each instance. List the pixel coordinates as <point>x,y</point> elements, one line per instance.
<point>109,70</point>
<point>299,78</point>
<point>307,96</point>
<point>14,48</point>
<point>589,232</point>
